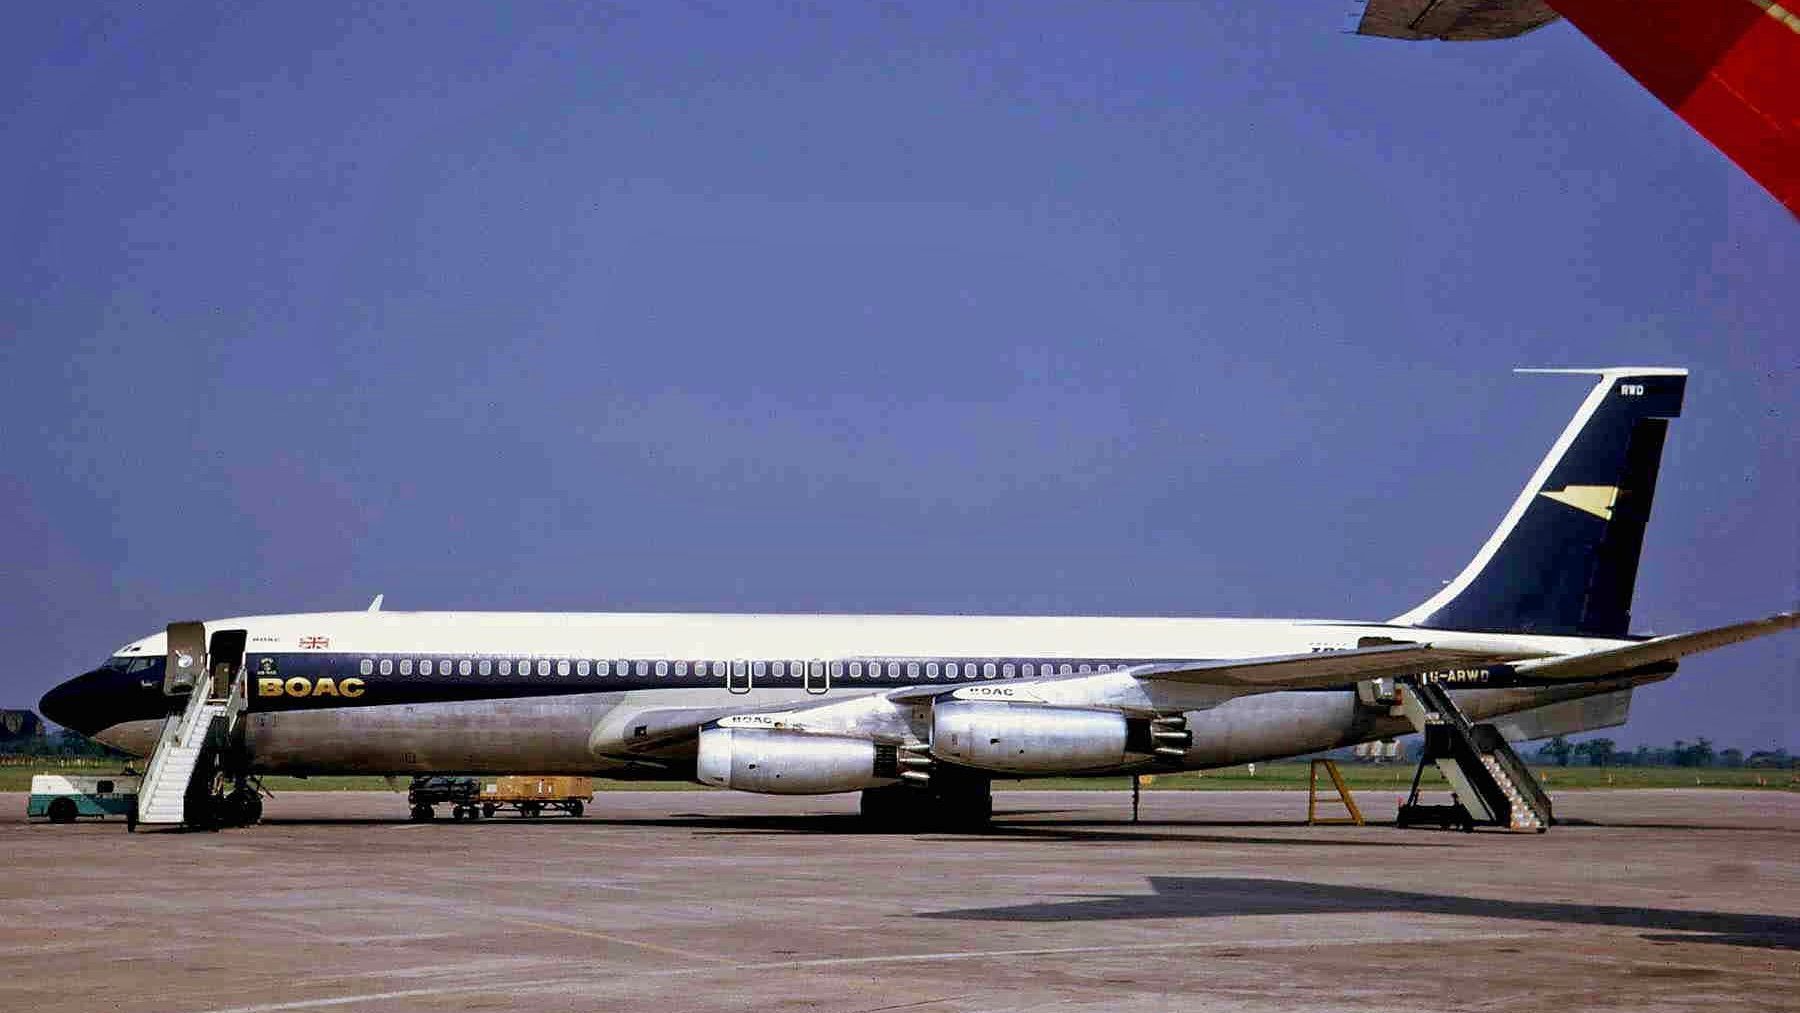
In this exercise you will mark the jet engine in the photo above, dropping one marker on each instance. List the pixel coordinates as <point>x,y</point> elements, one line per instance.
<point>776,761</point>
<point>1010,738</point>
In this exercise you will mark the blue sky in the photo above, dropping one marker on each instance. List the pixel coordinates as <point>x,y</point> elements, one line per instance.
<point>1199,309</point>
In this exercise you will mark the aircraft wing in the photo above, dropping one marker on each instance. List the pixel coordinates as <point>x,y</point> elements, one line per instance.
<point>1329,668</point>
<point>1730,68</point>
<point>1321,670</point>
<point>1658,649</point>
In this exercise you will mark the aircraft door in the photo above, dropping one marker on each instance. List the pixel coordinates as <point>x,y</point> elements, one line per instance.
<point>223,660</point>
<point>818,678</point>
<point>737,677</point>
<point>187,658</point>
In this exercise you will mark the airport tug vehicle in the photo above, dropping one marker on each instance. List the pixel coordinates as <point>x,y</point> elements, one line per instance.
<point>62,798</point>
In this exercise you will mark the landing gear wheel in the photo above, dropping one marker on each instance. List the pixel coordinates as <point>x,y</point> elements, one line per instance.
<point>422,813</point>
<point>243,807</point>
<point>488,809</point>
<point>893,808</point>
<point>456,813</point>
<point>62,810</point>
<point>964,804</point>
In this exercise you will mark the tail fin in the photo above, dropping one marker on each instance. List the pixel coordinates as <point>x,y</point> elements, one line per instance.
<point>1565,557</point>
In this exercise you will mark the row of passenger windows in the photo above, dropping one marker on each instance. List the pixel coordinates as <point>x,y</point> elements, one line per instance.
<point>584,668</point>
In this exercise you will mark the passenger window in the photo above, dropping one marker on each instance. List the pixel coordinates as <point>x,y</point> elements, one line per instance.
<point>465,667</point>
<point>486,667</point>
<point>562,667</point>
<point>662,669</point>
<point>1008,669</point>
<point>779,669</point>
<point>1065,669</point>
<point>758,669</point>
<point>505,666</point>
<point>425,667</point>
<point>837,669</point>
<point>856,670</point>
<point>1030,670</point>
<point>387,666</point>
<point>893,670</point>
<point>405,666</point>
<point>681,668</point>
<point>543,666</point>
<point>988,669</point>
<point>931,670</point>
<point>718,669</point>
<point>581,668</point>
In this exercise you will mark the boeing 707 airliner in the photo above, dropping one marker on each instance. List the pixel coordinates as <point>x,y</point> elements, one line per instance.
<point>920,713</point>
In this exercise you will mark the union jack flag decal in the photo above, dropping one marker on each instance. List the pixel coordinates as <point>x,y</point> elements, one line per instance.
<point>314,643</point>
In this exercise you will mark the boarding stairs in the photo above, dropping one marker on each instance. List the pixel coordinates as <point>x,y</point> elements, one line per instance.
<point>178,781</point>
<point>1490,781</point>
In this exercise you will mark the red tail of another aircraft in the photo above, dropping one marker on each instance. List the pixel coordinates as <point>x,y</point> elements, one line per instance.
<point>1730,68</point>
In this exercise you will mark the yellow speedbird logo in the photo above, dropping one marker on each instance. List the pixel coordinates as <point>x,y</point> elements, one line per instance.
<point>1594,499</point>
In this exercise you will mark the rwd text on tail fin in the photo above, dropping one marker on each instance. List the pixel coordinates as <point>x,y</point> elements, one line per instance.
<point>1565,557</point>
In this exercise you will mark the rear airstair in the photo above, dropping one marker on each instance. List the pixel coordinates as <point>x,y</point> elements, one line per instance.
<point>177,787</point>
<point>1492,785</point>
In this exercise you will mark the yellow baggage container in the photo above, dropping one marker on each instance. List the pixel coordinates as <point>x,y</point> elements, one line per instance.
<point>532,795</point>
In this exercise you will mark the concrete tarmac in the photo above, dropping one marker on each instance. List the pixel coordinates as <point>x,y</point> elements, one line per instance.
<point>676,901</point>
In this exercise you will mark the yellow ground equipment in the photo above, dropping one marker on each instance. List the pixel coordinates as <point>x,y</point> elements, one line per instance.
<point>1343,798</point>
<point>530,796</point>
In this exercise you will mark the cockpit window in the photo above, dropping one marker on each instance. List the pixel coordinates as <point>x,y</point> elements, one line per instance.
<point>117,665</point>
<point>139,664</point>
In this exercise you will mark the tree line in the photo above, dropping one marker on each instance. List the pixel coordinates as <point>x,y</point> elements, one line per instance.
<point>1701,752</point>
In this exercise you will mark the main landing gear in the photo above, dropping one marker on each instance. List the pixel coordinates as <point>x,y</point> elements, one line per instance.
<point>953,801</point>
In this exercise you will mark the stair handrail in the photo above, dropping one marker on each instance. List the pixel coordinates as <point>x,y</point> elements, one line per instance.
<point>176,730</point>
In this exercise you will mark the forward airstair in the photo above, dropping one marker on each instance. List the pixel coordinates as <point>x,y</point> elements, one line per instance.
<point>1492,785</point>
<point>180,755</point>
<point>178,783</point>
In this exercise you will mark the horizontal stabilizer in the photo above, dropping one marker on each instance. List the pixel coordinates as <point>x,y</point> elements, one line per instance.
<point>1619,659</point>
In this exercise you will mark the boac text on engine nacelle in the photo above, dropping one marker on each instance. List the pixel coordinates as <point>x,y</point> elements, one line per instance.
<point>780,761</point>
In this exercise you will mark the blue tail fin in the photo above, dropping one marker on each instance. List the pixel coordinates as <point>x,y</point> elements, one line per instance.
<point>1565,557</point>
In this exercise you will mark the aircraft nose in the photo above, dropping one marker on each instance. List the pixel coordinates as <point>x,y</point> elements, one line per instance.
<point>76,703</point>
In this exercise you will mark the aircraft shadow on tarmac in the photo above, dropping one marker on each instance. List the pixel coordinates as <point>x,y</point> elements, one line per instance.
<point>1221,897</point>
<point>1078,831</point>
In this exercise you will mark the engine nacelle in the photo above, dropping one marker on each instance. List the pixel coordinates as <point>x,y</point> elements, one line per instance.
<point>1011,738</point>
<point>776,761</point>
